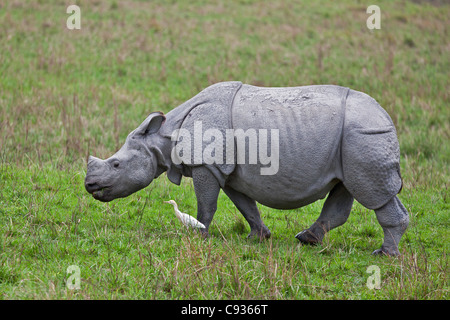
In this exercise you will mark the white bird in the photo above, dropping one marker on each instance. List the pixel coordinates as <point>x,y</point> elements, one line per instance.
<point>186,219</point>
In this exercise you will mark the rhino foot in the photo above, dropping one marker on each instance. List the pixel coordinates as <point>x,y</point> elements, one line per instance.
<point>308,237</point>
<point>263,233</point>
<point>387,252</point>
<point>204,233</point>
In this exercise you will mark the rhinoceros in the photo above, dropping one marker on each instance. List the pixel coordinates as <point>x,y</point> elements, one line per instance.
<point>324,140</point>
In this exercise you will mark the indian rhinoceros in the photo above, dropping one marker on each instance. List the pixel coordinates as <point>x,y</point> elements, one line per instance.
<point>324,139</point>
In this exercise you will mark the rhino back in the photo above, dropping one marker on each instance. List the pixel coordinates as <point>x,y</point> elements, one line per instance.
<point>309,120</point>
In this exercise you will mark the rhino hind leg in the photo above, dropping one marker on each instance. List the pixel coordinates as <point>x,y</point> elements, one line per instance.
<point>371,168</point>
<point>393,218</point>
<point>250,212</point>
<point>334,213</point>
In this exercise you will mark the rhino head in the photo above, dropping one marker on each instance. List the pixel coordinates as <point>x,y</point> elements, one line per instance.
<point>133,167</point>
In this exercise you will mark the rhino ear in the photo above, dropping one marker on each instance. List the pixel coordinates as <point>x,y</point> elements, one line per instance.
<point>152,124</point>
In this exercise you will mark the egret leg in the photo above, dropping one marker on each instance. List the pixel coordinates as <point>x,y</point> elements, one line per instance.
<point>207,190</point>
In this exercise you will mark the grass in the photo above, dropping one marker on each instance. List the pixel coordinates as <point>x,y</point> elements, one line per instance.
<point>135,248</point>
<point>67,94</point>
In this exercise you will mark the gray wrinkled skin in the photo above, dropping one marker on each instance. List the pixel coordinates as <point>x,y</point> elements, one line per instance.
<point>332,140</point>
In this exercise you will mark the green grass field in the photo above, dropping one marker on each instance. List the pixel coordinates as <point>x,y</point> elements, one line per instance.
<point>65,94</point>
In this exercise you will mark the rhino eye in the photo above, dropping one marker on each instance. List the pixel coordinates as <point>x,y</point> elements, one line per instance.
<point>115,163</point>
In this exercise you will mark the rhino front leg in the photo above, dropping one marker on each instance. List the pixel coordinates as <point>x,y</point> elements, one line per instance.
<point>394,219</point>
<point>206,190</point>
<point>334,213</point>
<point>250,212</point>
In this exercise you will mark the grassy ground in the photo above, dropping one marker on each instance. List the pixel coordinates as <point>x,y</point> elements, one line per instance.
<point>66,94</point>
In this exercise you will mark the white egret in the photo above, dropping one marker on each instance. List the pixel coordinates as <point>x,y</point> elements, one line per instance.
<point>185,219</point>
